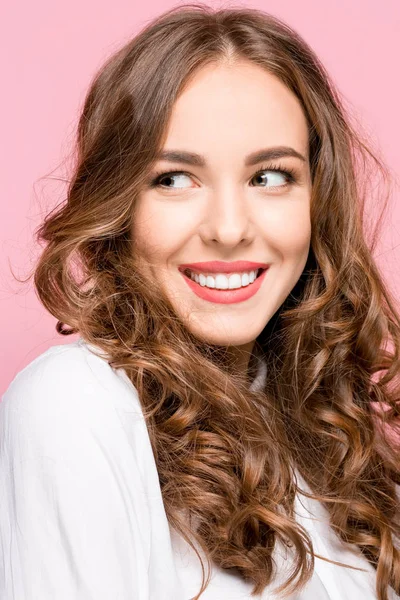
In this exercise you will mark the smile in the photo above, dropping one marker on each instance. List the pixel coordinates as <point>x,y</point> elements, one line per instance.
<point>224,281</point>
<point>223,288</point>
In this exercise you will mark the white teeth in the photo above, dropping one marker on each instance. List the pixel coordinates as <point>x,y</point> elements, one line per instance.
<point>223,282</point>
<point>210,281</point>
<point>245,279</point>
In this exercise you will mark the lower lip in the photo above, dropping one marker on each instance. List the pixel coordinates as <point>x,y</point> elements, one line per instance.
<point>225,296</point>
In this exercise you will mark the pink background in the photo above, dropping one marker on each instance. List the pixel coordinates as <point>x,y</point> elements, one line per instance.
<point>50,52</point>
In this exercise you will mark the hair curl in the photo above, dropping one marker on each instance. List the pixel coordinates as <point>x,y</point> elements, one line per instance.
<point>225,454</point>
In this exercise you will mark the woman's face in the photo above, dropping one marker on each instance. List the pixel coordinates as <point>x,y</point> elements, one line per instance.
<point>221,208</point>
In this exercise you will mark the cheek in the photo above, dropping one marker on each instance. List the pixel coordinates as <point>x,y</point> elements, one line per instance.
<point>158,230</point>
<point>289,232</point>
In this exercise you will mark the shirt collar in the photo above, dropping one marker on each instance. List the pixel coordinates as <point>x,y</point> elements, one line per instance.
<point>261,375</point>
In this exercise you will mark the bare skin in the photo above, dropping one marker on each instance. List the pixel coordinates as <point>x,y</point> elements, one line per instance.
<point>225,210</point>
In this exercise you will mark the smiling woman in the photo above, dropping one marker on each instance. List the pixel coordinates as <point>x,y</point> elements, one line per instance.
<point>221,404</point>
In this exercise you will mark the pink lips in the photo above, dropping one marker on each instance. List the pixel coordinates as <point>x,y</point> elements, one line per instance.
<point>224,296</point>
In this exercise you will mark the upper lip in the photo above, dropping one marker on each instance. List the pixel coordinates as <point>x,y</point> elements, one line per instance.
<point>218,266</point>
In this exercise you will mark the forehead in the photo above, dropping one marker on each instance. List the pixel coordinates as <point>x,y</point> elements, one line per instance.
<point>235,109</point>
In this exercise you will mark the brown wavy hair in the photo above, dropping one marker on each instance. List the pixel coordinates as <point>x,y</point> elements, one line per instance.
<point>227,456</point>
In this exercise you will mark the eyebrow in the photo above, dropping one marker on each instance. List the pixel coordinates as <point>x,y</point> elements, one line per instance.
<point>192,158</point>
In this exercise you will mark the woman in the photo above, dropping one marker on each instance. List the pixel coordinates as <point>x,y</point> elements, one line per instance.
<point>217,430</point>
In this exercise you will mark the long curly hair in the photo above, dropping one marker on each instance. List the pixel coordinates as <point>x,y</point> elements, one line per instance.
<point>227,455</point>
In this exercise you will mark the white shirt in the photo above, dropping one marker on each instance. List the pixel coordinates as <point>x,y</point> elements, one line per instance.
<point>81,510</point>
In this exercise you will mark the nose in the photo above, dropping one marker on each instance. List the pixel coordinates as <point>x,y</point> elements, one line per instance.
<point>228,221</point>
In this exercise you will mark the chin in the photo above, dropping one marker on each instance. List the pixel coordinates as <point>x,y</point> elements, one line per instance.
<point>218,337</point>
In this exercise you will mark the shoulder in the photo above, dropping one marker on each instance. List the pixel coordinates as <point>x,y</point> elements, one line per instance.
<point>76,472</point>
<point>64,370</point>
<point>65,390</point>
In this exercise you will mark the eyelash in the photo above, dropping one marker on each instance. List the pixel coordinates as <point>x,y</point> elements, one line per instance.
<point>289,173</point>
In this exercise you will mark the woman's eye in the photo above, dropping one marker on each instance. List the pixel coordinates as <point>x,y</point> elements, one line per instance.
<point>171,176</point>
<point>271,178</point>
